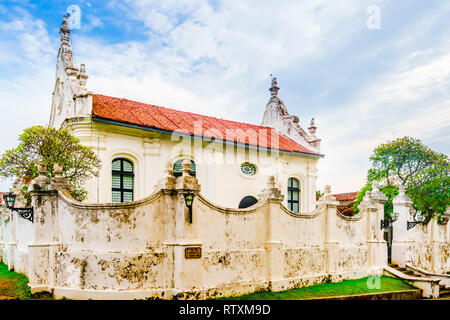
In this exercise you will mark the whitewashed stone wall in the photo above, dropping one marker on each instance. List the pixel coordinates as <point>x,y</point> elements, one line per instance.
<point>136,250</point>
<point>425,246</point>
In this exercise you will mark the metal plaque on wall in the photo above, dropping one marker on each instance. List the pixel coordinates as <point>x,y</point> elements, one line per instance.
<point>193,253</point>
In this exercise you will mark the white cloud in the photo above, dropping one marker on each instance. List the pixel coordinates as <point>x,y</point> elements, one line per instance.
<point>400,103</point>
<point>92,22</point>
<point>27,73</point>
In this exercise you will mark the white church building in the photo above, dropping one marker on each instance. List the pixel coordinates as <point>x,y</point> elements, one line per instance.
<point>188,206</point>
<point>135,141</point>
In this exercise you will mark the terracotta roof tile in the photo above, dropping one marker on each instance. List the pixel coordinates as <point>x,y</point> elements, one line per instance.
<point>151,116</point>
<point>345,196</point>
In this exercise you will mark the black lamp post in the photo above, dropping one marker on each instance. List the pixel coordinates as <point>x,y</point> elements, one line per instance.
<point>419,218</point>
<point>10,199</point>
<point>387,223</point>
<point>189,199</point>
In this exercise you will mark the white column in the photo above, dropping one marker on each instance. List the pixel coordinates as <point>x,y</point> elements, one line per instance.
<point>435,247</point>
<point>11,245</point>
<point>401,240</point>
<point>374,202</point>
<point>331,238</point>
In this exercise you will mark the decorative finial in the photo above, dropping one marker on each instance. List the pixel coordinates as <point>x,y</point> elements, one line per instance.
<point>42,169</point>
<point>65,31</point>
<point>312,128</point>
<point>274,89</point>
<point>271,182</point>
<point>58,170</point>
<point>64,49</point>
<point>82,76</point>
<point>186,167</point>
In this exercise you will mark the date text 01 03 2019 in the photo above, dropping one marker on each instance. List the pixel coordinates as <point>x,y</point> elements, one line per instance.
<point>230,309</point>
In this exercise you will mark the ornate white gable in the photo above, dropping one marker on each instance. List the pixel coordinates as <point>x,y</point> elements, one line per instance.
<point>276,116</point>
<point>70,99</point>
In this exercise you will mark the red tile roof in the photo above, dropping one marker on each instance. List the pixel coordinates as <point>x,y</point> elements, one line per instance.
<point>170,120</point>
<point>345,196</point>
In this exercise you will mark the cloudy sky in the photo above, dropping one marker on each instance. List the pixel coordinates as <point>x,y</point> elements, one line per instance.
<point>364,80</point>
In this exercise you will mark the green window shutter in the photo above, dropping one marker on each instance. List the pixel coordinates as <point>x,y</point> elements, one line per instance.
<point>127,182</point>
<point>293,191</point>
<point>116,197</point>
<point>122,181</point>
<point>116,180</point>
<point>116,165</point>
<point>127,166</point>
<point>127,196</point>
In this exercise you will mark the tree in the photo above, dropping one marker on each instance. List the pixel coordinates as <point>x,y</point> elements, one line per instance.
<point>40,144</point>
<point>423,172</point>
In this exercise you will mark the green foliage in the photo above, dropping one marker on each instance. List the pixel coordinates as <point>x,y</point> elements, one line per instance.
<point>360,196</point>
<point>40,144</point>
<point>423,172</point>
<point>319,193</point>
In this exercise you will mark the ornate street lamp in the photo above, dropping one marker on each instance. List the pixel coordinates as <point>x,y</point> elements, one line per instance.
<point>189,199</point>
<point>10,199</point>
<point>419,218</point>
<point>387,223</point>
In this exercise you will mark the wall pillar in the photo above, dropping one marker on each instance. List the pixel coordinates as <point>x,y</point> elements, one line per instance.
<point>331,238</point>
<point>11,244</point>
<point>435,247</point>
<point>274,246</point>
<point>373,203</point>
<point>41,252</point>
<point>401,240</point>
<point>187,269</point>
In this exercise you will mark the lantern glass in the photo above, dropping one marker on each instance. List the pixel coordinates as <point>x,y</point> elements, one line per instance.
<point>188,198</point>
<point>394,216</point>
<point>419,217</point>
<point>10,199</point>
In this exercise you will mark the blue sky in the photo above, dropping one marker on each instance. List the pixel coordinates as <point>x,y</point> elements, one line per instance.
<point>363,86</point>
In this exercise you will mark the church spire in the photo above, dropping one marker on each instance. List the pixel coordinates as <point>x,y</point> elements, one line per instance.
<point>65,31</point>
<point>312,128</point>
<point>64,49</point>
<point>274,89</point>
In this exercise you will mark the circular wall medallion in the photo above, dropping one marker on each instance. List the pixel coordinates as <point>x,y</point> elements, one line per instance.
<point>248,169</point>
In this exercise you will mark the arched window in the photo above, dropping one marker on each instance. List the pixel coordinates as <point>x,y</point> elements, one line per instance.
<point>247,201</point>
<point>293,194</point>
<point>122,180</point>
<point>178,166</point>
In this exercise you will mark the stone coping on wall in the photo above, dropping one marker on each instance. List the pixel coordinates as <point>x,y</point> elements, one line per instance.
<point>67,198</point>
<point>356,217</point>
<point>222,209</point>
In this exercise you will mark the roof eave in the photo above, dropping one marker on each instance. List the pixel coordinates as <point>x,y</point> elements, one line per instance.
<point>135,126</point>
